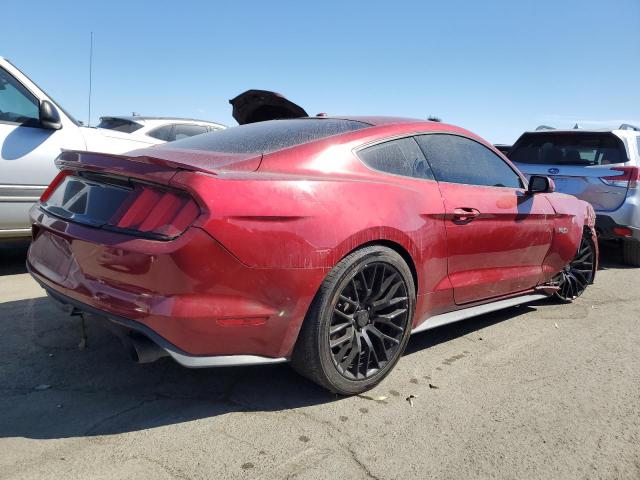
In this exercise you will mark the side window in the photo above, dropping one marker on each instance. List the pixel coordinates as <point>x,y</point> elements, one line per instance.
<point>17,104</point>
<point>458,159</point>
<point>185,130</point>
<point>161,133</point>
<point>399,157</point>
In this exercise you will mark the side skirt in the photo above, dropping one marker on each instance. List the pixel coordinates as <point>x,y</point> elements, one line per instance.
<point>463,314</point>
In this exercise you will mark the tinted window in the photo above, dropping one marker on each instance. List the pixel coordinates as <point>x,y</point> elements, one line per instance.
<point>16,102</point>
<point>400,157</point>
<point>119,125</point>
<point>461,160</point>
<point>161,133</point>
<point>269,136</point>
<point>184,131</point>
<point>569,149</point>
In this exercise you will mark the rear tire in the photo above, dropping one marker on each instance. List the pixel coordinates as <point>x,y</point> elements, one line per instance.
<point>359,322</point>
<point>631,252</point>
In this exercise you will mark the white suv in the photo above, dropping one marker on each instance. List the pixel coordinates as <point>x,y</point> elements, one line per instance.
<point>34,129</point>
<point>601,167</point>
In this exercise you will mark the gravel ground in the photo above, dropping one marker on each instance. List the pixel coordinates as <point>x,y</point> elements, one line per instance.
<point>543,391</point>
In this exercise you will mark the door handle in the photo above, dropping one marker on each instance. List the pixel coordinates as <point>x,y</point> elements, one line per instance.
<point>465,214</point>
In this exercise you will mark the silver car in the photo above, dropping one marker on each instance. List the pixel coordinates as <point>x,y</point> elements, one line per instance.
<point>599,166</point>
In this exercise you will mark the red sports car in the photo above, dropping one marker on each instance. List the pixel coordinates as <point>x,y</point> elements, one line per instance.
<point>321,241</point>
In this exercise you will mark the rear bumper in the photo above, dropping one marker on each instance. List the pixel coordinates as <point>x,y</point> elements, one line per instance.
<point>605,225</point>
<point>628,215</point>
<point>189,295</point>
<point>183,358</point>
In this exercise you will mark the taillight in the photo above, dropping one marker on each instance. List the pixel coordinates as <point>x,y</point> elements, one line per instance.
<point>622,231</point>
<point>120,203</point>
<point>53,185</point>
<point>629,177</point>
<point>154,211</point>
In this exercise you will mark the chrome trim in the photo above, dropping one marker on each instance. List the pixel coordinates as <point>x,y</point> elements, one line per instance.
<point>15,233</point>
<point>221,360</point>
<point>465,313</point>
<point>21,193</point>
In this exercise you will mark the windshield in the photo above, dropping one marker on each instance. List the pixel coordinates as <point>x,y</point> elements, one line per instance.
<point>266,137</point>
<point>69,116</point>
<point>569,149</point>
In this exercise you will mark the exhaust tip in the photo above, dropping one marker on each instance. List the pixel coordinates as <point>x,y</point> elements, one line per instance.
<point>143,350</point>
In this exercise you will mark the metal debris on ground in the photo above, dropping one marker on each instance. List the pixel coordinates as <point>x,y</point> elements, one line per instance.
<point>42,386</point>
<point>410,399</point>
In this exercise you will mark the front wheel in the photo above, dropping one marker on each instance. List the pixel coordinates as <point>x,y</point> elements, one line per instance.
<point>359,322</point>
<point>574,279</point>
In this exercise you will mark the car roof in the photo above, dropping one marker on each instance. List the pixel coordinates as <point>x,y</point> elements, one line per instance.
<point>375,120</point>
<point>138,118</point>
<point>624,129</point>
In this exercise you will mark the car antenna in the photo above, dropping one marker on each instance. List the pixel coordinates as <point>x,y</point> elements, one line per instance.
<point>90,75</point>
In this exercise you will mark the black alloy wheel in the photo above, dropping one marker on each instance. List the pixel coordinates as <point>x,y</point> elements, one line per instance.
<point>574,279</point>
<point>358,323</point>
<point>369,319</point>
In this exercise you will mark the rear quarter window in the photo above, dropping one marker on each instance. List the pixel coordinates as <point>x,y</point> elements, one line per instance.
<point>398,157</point>
<point>268,136</point>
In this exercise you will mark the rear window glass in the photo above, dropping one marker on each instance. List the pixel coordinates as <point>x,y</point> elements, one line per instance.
<point>119,125</point>
<point>569,149</point>
<point>265,137</point>
<point>161,133</point>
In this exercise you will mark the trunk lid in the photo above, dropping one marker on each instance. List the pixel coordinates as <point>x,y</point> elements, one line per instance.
<point>134,194</point>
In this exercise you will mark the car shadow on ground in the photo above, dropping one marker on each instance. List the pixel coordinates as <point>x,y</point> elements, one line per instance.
<point>611,256</point>
<point>13,257</point>
<point>50,388</point>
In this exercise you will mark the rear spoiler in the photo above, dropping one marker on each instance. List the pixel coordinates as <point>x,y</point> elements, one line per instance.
<point>160,166</point>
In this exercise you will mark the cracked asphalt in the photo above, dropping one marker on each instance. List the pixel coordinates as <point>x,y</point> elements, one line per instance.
<point>543,391</point>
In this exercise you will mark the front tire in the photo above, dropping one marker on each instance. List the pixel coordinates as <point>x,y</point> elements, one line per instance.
<point>359,323</point>
<point>579,274</point>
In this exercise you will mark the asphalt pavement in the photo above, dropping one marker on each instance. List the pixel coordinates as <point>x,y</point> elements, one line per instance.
<point>542,391</point>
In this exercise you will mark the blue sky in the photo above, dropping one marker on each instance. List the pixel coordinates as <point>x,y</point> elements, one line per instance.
<point>494,67</point>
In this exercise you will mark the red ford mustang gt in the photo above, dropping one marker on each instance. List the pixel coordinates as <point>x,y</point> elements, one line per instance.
<point>323,241</point>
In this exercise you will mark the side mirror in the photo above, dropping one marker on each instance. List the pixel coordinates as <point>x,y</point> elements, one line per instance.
<point>49,116</point>
<point>540,184</point>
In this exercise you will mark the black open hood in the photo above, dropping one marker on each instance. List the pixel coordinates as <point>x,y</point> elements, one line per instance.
<point>260,105</point>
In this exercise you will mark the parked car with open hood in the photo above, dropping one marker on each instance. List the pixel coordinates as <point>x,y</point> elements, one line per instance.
<point>321,241</point>
<point>601,167</point>
<point>34,129</point>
